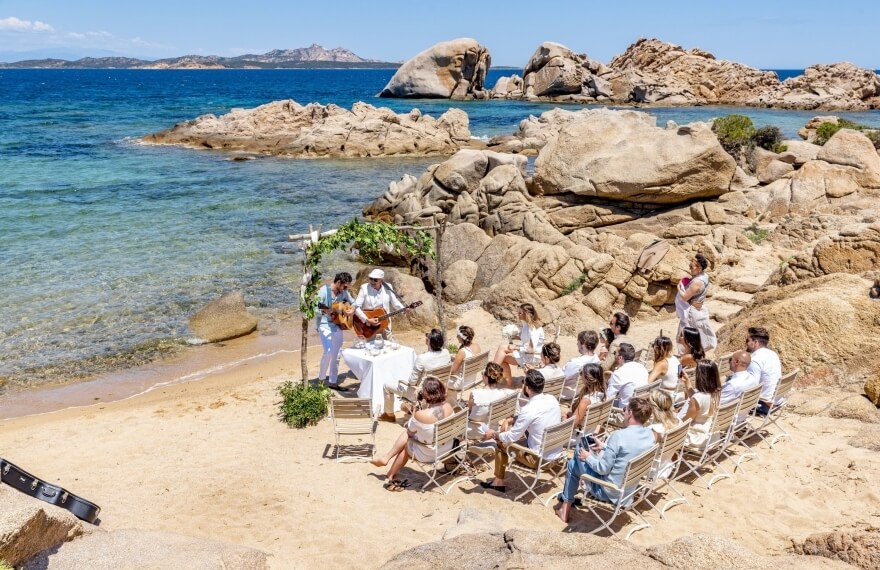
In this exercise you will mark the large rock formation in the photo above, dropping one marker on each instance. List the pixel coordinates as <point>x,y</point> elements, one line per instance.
<point>839,86</point>
<point>289,129</point>
<point>827,322</point>
<point>623,155</point>
<point>858,548</point>
<point>223,319</point>
<point>854,249</point>
<point>449,70</point>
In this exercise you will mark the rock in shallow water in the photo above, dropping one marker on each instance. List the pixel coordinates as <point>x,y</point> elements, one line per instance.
<point>223,319</point>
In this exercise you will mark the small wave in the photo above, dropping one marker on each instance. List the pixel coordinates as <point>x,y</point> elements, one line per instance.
<point>484,138</point>
<point>195,341</point>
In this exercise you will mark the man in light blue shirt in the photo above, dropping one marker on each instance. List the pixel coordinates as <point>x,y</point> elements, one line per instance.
<point>609,461</point>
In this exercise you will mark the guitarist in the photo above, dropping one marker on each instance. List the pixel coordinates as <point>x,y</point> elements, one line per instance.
<point>328,331</point>
<point>376,294</point>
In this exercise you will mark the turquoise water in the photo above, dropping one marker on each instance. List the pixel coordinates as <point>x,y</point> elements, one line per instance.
<point>108,246</point>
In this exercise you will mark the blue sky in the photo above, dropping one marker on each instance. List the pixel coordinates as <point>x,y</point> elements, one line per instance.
<point>766,34</point>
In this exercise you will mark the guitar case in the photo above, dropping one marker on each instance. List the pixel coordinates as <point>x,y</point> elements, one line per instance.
<point>21,480</point>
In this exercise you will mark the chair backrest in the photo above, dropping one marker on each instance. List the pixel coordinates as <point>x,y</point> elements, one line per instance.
<point>785,385</point>
<point>554,385</point>
<point>673,441</point>
<point>558,436</point>
<point>473,367</point>
<point>642,356</point>
<point>351,414</point>
<point>609,361</point>
<point>750,399</point>
<point>596,416</point>
<point>638,468</point>
<point>643,391</point>
<point>501,409</point>
<point>449,428</point>
<point>723,363</point>
<point>724,417</point>
<point>441,372</point>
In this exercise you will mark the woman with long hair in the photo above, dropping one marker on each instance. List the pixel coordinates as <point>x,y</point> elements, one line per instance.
<point>592,390</point>
<point>692,345</point>
<point>532,337</point>
<point>490,391</point>
<point>416,441</point>
<point>666,365</point>
<point>703,399</point>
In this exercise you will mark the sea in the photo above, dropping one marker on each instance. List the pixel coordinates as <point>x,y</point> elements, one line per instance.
<point>108,246</point>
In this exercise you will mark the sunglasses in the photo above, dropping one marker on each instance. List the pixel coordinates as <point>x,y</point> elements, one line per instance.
<point>373,279</point>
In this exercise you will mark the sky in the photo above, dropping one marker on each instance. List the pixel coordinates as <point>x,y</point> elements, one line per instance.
<point>768,34</point>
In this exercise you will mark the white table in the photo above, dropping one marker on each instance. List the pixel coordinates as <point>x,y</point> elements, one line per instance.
<point>375,371</point>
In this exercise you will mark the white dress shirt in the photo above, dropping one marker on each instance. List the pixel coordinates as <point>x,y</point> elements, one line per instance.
<point>371,298</point>
<point>736,384</point>
<point>767,369</point>
<point>540,413</point>
<point>625,380</point>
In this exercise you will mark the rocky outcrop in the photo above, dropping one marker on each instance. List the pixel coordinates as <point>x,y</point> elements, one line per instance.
<point>454,69</point>
<point>29,526</point>
<point>223,319</point>
<point>133,548</point>
<point>528,549</point>
<point>839,86</point>
<point>860,548</point>
<point>872,389</point>
<point>286,128</point>
<point>826,322</point>
<point>623,155</point>
<point>854,249</point>
<point>410,289</point>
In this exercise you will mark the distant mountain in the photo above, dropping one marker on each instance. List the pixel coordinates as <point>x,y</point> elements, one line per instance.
<point>313,56</point>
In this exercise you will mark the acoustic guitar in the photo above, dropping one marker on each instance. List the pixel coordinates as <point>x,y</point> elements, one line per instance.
<point>369,331</point>
<point>337,314</point>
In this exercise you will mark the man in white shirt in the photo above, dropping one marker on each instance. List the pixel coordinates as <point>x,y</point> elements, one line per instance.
<point>587,343</point>
<point>437,355</point>
<point>739,381</point>
<point>376,294</point>
<point>538,414</point>
<point>627,377</point>
<point>765,366</point>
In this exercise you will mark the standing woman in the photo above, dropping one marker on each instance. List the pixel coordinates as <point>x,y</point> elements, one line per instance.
<point>691,299</point>
<point>532,336</point>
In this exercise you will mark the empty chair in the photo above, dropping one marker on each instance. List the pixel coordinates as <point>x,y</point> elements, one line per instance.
<point>353,416</point>
<point>471,375</point>
<point>742,424</point>
<point>783,389</point>
<point>555,437</point>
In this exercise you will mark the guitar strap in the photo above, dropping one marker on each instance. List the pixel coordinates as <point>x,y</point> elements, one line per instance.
<point>391,292</point>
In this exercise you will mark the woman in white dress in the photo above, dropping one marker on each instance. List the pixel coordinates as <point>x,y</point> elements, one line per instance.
<point>532,337</point>
<point>418,439</point>
<point>691,300</point>
<point>663,420</point>
<point>666,365</point>
<point>703,401</point>
<point>490,391</point>
<point>466,349</point>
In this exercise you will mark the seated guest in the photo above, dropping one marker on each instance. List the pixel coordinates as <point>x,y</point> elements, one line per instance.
<point>703,400</point>
<point>666,365</point>
<point>663,420</point>
<point>765,367</point>
<point>490,391</point>
<point>618,327</point>
<point>592,391</point>
<point>532,336</point>
<point>418,439</point>
<point>587,343</point>
<point>550,354</point>
<point>609,461</point>
<point>539,413</point>
<point>740,379</point>
<point>466,349</point>
<point>436,355</point>
<point>628,376</point>
<point>693,347</point>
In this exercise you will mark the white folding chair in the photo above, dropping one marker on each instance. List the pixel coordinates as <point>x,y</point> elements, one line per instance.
<point>715,446</point>
<point>666,465</point>
<point>783,389</point>
<point>499,410</point>
<point>353,416</point>
<point>555,437</point>
<point>471,375</point>
<point>595,419</point>
<point>640,392</point>
<point>553,386</point>
<point>446,431</point>
<point>723,363</point>
<point>440,372</point>
<point>742,425</point>
<point>634,489</point>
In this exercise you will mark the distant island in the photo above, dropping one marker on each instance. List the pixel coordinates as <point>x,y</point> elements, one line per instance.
<point>311,57</point>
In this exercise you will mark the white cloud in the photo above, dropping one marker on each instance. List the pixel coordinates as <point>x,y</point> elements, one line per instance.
<point>17,25</point>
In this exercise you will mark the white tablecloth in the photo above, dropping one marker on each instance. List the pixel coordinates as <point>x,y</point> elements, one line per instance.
<point>374,371</point>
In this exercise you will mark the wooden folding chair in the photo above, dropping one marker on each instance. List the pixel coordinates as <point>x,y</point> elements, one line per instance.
<point>446,431</point>
<point>634,489</point>
<point>440,372</point>
<point>783,389</point>
<point>710,452</point>
<point>742,425</point>
<point>353,416</point>
<point>471,375</point>
<point>640,392</point>
<point>555,437</point>
<point>723,363</point>
<point>553,386</point>
<point>499,410</point>
<point>595,418</point>
<point>666,465</point>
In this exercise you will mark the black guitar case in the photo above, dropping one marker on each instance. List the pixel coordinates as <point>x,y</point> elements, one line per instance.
<point>35,487</point>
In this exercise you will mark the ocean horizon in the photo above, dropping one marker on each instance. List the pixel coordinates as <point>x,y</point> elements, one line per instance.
<point>108,246</point>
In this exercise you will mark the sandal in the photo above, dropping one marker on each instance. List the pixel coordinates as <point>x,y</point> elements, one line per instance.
<point>396,485</point>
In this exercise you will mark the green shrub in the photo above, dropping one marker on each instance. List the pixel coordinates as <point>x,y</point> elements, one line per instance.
<point>735,133</point>
<point>825,132</point>
<point>779,148</point>
<point>5,565</point>
<point>574,285</point>
<point>452,348</point>
<point>828,130</point>
<point>874,137</point>
<point>768,137</point>
<point>303,404</point>
<point>755,234</point>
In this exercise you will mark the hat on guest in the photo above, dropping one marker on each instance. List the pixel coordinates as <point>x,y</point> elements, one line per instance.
<point>377,274</point>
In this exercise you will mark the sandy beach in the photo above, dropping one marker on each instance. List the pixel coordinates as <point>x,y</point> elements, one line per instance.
<point>210,458</point>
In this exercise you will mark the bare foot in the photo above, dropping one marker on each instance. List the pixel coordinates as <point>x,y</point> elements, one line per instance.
<point>562,512</point>
<point>379,462</point>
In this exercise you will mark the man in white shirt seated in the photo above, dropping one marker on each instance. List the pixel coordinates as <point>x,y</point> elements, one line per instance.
<point>437,355</point>
<point>627,376</point>
<point>765,366</point>
<point>587,343</point>
<point>739,381</point>
<point>539,413</point>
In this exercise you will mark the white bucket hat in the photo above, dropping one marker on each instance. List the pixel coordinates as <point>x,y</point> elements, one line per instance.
<point>377,274</point>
